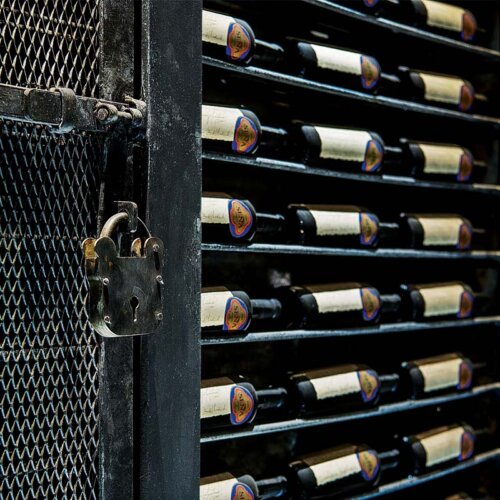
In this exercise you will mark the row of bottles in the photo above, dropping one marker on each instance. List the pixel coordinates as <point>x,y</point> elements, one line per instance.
<point>235,220</point>
<point>239,131</point>
<point>232,39</point>
<point>335,305</point>
<point>229,402</point>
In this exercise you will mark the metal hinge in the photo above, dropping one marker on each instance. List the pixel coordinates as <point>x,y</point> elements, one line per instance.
<point>63,111</point>
<point>125,296</point>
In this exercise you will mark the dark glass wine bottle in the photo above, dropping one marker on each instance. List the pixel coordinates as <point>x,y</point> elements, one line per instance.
<point>229,129</point>
<point>338,66</point>
<point>430,160</point>
<point>333,225</point>
<point>436,231</point>
<point>231,311</point>
<point>437,300</point>
<point>436,88</point>
<point>225,402</point>
<point>428,376</point>
<point>338,389</point>
<point>225,37</point>
<point>437,447</point>
<point>334,304</point>
<point>233,220</point>
<point>339,470</point>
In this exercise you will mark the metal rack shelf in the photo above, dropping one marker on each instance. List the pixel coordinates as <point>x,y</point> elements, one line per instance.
<point>300,168</point>
<point>404,327</point>
<point>403,29</point>
<point>283,249</point>
<point>389,102</point>
<point>296,424</point>
<point>413,481</point>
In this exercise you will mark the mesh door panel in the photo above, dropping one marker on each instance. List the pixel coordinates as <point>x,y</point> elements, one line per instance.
<point>49,187</point>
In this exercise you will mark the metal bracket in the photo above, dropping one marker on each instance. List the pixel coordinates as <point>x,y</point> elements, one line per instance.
<point>64,111</point>
<point>125,296</point>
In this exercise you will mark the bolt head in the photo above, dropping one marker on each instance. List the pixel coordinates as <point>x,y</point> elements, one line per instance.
<point>156,247</point>
<point>159,279</point>
<point>159,316</point>
<point>105,281</point>
<point>107,319</point>
<point>102,114</point>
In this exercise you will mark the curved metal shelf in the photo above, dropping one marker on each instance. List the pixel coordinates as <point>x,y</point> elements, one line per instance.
<point>283,249</point>
<point>300,168</point>
<point>390,102</point>
<point>410,326</point>
<point>413,481</point>
<point>302,423</point>
<point>407,30</point>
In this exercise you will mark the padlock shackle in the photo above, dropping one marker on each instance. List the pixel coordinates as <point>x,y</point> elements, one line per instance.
<point>112,223</point>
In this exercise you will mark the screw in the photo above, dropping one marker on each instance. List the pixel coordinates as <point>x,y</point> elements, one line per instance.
<point>107,319</point>
<point>159,316</point>
<point>159,279</point>
<point>102,114</point>
<point>156,247</point>
<point>105,281</point>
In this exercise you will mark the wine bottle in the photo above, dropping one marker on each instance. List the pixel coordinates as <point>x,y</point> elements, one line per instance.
<point>438,300</point>
<point>342,147</point>
<point>476,495</point>
<point>438,161</point>
<point>334,304</point>
<point>437,88</point>
<point>227,219</point>
<point>438,447</point>
<point>338,66</point>
<point>336,225</point>
<point>339,470</point>
<point>225,402</point>
<point>229,129</point>
<point>444,373</point>
<point>225,37</point>
<point>228,487</point>
<point>232,311</point>
<point>436,231</point>
<point>339,388</point>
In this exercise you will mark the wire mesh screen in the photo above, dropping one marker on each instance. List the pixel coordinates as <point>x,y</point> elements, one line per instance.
<point>49,187</point>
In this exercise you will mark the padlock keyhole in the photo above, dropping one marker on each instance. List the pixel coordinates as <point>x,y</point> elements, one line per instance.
<point>134,304</point>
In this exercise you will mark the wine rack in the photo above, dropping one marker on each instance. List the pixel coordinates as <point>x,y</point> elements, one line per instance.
<point>263,354</point>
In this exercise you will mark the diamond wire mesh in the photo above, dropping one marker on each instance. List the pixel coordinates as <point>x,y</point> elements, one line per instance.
<point>49,188</point>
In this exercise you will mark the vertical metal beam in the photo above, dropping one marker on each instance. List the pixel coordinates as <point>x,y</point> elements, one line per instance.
<point>170,358</point>
<point>116,363</point>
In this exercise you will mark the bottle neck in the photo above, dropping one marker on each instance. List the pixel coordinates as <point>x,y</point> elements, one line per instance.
<point>389,383</point>
<point>273,398</point>
<point>482,439</point>
<point>274,487</point>
<point>393,155</point>
<point>270,224</point>
<point>389,233</point>
<point>391,304</point>
<point>268,54</point>
<point>389,459</point>
<point>265,308</point>
<point>273,141</point>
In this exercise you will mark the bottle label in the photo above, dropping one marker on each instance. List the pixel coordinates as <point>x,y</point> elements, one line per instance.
<point>229,489</point>
<point>444,16</point>
<point>225,31</point>
<point>216,401</point>
<point>337,301</point>
<point>336,385</point>
<point>369,225</point>
<point>334,470</point>
<point>447,90</point>
<point>369,463</point>
<point>214,307</point>
<point>446,231</point>
<point>236,315</point>
<point>245,135</point>
<point>336,223</point>
<point>453,444</point>
<point>370,299</point>
<point>215,211</point>
<point>469,26</point>
<point>444,160</point>
<point>444,374</point>
<point>466,166</point>
<point>371,3</point>
<point>369,384</point>
<point>370,72</point>
<point>242,405</point>
<point>446,300</point>
<point>240,218</point>
<point>373,156</point>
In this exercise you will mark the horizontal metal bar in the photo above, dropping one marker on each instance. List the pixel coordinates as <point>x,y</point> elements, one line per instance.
<point>404,29</point>
<point>300,423</point>
<point>300,168</point>
<point>389,102</point>
<point>414,481</point>
<point>402,253</point>
<point>409,326</point>
<point>64,111</point>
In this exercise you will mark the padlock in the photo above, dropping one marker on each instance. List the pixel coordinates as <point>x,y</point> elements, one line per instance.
<point>125,292</point>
